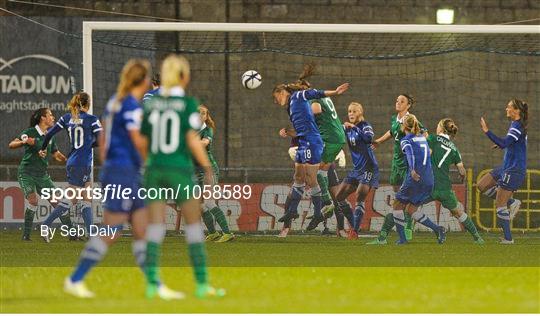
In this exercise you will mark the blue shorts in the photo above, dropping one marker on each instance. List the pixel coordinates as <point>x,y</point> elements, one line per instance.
<point>357,177</point>
<point>78,175</point>
<point>415,193</point>
<point>496,173</point>
<point>506,179</point>
<point>309,152</point>
<point>121,179</point>
<point>511,180</point>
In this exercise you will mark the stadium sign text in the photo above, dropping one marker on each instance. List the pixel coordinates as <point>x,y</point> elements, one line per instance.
<point>25,83</point>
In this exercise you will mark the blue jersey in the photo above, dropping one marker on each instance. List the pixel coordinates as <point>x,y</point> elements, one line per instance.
<point>82,132</point>
<point>416,149</point>
<point>301,115</point>
<point>515,148</point>
<point>120,118</point>
<point>359,139</point>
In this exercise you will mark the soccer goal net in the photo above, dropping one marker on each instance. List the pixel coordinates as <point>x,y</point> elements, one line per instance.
<point>462,72</point>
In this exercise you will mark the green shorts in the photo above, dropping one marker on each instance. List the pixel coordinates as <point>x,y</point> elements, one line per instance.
<point>198,177</point>
<point>397,174</point>
<point>160,179</point>
<point>447,198</point>
<point>330,152</point>
<point>30,184</point>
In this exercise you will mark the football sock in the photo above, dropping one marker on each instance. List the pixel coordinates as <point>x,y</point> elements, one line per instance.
<point>347,212</point>
<point>62,207</point>
<point>408,221</point>
<point>138,248</point>
<point>340,219</point>
<point>491,192</point>
<point>469,225</point>
<point>322,179</point>
<point>155,233</point>
<point>197,251</point>
<point>87,214</point>
<point>317,200</point>
<point>387,226</point>
<point>358,215</point>
<point>220,219</point>
<point>399,220</point>
<point>29,213</point>
<point>424,220</point>
<point>503,216</point>
<point>510,202</point>
<point>93,252</point>
<point>208,220</point>
<point>297,192</point>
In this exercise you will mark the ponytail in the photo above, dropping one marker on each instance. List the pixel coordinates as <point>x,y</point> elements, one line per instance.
<point>79,101</point>
<point>449,127</point>
<point>133,74</point>
<point>301,83</point>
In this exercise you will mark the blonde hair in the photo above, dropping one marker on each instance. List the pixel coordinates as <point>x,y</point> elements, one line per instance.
<point>448,126</point>
<point>357,105</point>
<point>134,73</point>
<point>173,69</point>
<point>79,101</point>
<point>410,123</point>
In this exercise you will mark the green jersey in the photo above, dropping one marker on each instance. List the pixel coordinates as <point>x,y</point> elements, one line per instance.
<point>166,121</point>
<point>328,122</point>
<point>208,133</point>
<point>32,164</point>
<point>399,159</point>
<point>443,154</point>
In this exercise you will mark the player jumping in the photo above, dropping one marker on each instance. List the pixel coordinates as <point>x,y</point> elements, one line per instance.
<point>310,145</point>
<point>514,167</point>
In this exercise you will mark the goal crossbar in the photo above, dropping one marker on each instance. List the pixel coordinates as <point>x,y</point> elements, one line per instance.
<point>89,26</point>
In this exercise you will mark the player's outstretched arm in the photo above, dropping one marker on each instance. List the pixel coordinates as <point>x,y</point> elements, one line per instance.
<point>381,140</point>
<point>339,90</point>
<point>58,156</point>
<point>500,142</point>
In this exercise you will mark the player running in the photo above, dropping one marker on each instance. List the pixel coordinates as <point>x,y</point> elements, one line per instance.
<point>211,210</point>
<point>404,103</point>
<point>444,153</point>
<point>120,145</point>
<point>514,167</point>
<point>170,125</point>
<point>310,147</point>
<point>418,184</point>
<point>32,174</point>
<point>83,130</point>
<point>365,175</point>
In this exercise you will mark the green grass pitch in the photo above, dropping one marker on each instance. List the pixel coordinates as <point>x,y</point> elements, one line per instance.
<point>312,274</point>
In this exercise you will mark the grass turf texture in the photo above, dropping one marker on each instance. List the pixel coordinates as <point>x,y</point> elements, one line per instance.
<point>266,274</point>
